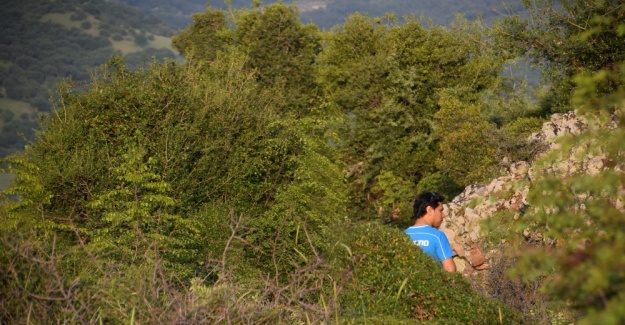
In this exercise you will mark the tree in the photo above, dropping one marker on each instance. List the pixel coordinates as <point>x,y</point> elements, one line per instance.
<point>387,79</point>
<point>136,216</point>
<point>279,53</point>
<point>565,38</point>
<point>278,46</point>
<point>207,35</point>
<point>282,50</point>
<point>468,145</point>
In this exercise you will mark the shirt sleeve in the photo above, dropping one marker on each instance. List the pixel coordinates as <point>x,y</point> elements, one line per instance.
<point>444,250</point>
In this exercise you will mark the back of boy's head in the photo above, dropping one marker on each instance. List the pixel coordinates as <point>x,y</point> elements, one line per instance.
<point>424,200</point>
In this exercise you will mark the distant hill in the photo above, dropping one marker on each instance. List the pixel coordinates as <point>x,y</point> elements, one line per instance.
<point>44,41</point>
<point>332,12</point>
<point>329,13</point>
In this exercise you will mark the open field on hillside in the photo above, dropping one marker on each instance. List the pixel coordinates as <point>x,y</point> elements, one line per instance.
<point>65,20</point>
<point>17,107</point>
<point>5,180</point>
<point>125,46</point>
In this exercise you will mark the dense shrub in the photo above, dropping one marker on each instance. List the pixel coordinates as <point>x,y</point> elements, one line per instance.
<point>391,277</point>
<point>521,294</point>
<point>38,285</point>
<point>221,169</point>
<point>138,154</point>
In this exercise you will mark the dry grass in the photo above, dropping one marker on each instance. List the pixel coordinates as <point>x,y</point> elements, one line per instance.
<point>41,287</point>
<point>128,45</point>
<point>524,296</point>
<point>65,20</point>
<point>16,106</point>
<point>161,42</point>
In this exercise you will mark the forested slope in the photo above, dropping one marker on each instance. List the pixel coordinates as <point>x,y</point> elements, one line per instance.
<point>329,13</point>
<point>44,42</point>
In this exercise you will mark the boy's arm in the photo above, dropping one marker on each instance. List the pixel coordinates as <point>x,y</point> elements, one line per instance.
<point>449,265</point>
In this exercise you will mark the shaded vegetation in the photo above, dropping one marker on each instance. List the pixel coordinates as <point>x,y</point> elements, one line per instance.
<point>219,176</point>
<point>264,179</point>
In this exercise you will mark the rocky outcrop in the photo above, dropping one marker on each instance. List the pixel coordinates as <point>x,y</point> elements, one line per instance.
<point>507,195</point>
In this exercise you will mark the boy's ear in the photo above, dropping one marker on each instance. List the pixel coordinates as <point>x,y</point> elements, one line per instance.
<point>428,209</point>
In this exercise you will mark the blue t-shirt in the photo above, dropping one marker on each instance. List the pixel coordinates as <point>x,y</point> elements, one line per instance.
<point>431,240</point>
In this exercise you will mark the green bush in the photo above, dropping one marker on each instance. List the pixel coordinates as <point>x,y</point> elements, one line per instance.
<point>514,136</point>
<point>391,277</point>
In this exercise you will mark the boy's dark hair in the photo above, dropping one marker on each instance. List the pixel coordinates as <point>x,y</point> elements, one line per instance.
<point>424,200</point>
